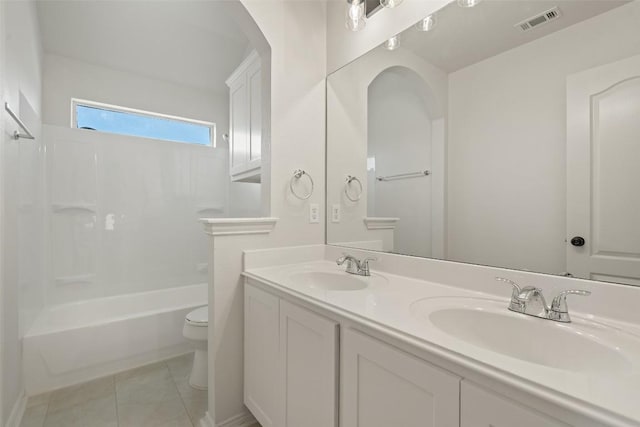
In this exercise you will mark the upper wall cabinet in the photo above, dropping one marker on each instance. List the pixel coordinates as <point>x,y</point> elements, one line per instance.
<point>245,104</point>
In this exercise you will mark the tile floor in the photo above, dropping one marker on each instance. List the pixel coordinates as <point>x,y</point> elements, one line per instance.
<point>156,395</point>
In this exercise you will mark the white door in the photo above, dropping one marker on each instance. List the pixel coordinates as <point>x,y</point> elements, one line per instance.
<point>603,172</point>
<point>382,386</point>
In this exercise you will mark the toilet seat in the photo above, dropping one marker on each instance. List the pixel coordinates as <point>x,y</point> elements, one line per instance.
<point>198,317</point>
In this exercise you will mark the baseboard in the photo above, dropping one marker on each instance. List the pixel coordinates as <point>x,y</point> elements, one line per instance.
<point>17,412</point>
<point>241,420</point>
<point>207,421</point>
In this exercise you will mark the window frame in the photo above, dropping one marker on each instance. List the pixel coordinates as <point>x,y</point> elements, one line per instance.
<point>75,102</point>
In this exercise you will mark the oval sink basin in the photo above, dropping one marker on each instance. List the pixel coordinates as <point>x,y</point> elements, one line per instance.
<point>485,323</point>
<point>339,281</point>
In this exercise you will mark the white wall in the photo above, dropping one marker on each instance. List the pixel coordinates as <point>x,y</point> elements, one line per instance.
<point>296,32</point>
<point>507,182</point>
<point>22,291</point>
<point>65,78</point>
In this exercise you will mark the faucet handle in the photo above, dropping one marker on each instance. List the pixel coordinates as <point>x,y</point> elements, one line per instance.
<point>559,310</point>
<point>559,303</point>
<point>364,265</point>
<point>516,288</point>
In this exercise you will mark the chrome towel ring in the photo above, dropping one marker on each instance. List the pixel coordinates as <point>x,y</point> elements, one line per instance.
<point>348,182</point>
<point>297,174</point>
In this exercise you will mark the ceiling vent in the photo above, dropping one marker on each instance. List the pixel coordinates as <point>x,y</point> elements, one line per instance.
<point>540,19</point>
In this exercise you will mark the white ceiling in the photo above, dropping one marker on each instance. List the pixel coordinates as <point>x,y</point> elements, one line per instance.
<point>192,43</point>
<point>465,36</point>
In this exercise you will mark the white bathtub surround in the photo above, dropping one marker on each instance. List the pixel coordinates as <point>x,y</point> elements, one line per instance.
<point>72,343</point>
<point>580,397</point>
<point>111,212</point>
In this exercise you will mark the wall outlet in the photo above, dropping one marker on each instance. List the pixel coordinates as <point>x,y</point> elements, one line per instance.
<point>314,213</point>
<point>335,213</point>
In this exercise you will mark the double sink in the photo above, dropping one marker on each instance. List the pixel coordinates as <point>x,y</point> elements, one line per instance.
<point>583,345</point>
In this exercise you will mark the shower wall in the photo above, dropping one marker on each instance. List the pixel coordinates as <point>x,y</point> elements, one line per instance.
<point>21,215</point>
<point>124,212</point>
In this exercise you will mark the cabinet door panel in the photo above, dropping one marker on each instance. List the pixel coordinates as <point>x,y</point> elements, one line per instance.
<point>254,81</point>
<point>308,351</point>
<point>261,346</point>
<point>239,126</point>
<point>482,408</point>
<point>383,386</point>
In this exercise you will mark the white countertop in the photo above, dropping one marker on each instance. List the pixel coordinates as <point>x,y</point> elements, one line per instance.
<point>614,396</point>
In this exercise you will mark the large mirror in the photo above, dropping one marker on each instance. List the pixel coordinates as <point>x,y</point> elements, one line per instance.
<point>505,134</point>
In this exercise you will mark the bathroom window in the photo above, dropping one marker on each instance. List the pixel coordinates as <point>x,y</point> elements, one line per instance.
<point>127,121</point>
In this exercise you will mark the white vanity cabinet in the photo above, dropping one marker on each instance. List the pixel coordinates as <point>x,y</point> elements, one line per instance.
<point>317,368</point>
<point>245,120</point>
<point>382,386</point>
<point>261,355</point>
<point>484,408</point>
<point>291,363</point>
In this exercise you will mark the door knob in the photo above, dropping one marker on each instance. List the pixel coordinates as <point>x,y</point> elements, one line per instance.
<point>577,241</point>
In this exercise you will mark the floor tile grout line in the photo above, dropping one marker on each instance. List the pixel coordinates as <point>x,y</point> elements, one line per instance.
<point>46,413</point>
<point>173,379</point>
<point>115,397</point>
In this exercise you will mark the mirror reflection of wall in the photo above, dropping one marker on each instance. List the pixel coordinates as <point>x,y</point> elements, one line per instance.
<point>496,113</point>
<point>405,121</point>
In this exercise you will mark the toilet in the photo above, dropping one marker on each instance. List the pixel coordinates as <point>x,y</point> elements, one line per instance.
<point>195,330</point>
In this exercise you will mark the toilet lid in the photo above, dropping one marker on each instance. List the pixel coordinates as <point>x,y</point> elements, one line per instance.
<point>199,316</point>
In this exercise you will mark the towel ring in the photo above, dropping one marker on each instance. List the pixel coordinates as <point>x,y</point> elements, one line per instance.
<point>349,180</point>
<point>297,174</point>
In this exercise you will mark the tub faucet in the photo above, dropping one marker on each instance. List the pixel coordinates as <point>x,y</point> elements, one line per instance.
<point>529,300</point>
<point>354,265</point>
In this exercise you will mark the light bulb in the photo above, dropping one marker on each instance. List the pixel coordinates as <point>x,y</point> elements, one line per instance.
<point>427,23</point>
<point>390,3</point>
<point>355,15</point>
<point>393,43</point>
<point>468,3</point>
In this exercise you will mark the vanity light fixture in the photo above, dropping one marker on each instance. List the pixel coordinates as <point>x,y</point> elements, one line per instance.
<point>427,23</point>
<point>468,3</point>
<point>393,43</point>
<point>390,4</point>
<point>355,15</point>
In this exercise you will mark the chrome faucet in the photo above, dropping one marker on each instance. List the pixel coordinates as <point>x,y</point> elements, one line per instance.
<point>354,265</point>
<point>529,300</point>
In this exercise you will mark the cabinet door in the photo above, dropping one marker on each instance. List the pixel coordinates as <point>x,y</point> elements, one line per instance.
<point>482,408</point>
<point>239,126</point>
<point>261,346</point>
<point>308,358</point>
<point>254,84</point>
<point>383,386</point>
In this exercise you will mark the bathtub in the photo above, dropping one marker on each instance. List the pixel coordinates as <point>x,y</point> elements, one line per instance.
<point>72,343</point>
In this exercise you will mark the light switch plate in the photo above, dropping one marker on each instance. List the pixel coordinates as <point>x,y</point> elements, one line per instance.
<point>314,213</point>
<point>335,213</point>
